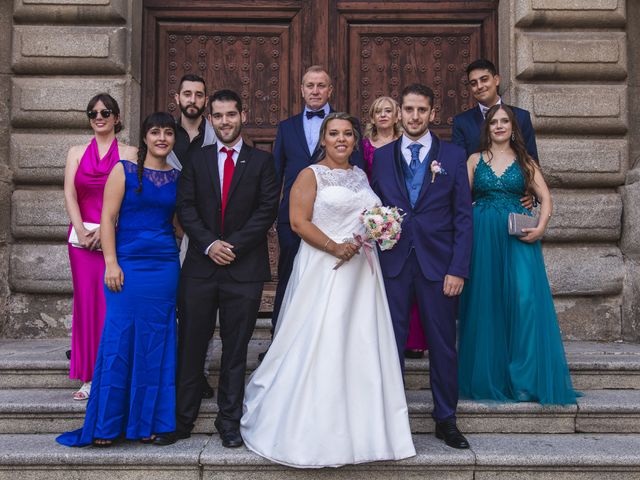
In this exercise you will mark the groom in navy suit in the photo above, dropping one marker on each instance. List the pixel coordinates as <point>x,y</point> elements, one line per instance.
<point>295,149</point>
<point>427,178</point>
<point>483,83</point>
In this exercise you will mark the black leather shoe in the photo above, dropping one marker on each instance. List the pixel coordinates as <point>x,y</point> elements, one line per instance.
<point>165,439</point>
<point>231,439</point>
<point>261,355</point>
<point>413,353</point>
<point>207,390</point>
<point>448,431</point>
<point>68,354</point>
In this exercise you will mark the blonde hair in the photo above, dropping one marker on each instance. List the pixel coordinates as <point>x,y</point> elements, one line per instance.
<point>370,130</point>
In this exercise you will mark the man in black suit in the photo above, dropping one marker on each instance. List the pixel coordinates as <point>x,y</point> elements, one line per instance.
<point>227,201</point>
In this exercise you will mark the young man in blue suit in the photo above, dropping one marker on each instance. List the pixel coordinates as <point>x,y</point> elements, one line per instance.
<point>483,83</point>
<point>427,178</point>
<point>294,150</point>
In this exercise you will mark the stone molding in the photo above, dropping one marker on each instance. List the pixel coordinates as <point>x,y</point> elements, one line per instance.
<point>71,11</point>
<point>40,157</point>
<point>570,13</point>
<point>571,56</point>
<point>59,102</point>
<point>69,50</point>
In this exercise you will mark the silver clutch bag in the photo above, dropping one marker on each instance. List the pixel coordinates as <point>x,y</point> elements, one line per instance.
<point>518,221</point>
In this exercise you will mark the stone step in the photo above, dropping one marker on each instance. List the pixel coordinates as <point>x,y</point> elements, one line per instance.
<point>28,411</point>
<point>41,363</point>
<point>502,457</point>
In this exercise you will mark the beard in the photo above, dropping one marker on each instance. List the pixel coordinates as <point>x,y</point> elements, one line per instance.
<point>228,137</point>
<point>190,113</point>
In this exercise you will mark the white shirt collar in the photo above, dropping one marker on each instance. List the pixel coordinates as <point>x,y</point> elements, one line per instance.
<point>326,108</point>
<point>237,147</point>
<point>484,110</point>
<point>424,140</point>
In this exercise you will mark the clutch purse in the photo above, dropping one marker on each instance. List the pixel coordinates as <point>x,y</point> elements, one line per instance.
<point>73,235</point>
<point>518,221</point>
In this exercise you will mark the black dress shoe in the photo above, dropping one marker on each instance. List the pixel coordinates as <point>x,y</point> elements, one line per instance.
<point>165,439</point>
<point>207,390</point>
<point>448,431</point>
<point>261,355</point>
<point>68,354</point>
<point>413,353</point>
<point>231,439</point>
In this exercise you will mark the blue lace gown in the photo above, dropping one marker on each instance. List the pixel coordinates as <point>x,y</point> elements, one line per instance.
<point>133,389</point>
<point>510,345</point>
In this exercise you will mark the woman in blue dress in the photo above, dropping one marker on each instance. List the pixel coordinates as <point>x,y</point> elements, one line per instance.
<point>510,343</point>
<point>133,391</point>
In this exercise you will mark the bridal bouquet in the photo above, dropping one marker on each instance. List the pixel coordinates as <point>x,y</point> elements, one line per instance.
<point>382,225</point>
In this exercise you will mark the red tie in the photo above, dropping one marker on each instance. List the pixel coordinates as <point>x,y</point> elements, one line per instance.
<point>227,175</point>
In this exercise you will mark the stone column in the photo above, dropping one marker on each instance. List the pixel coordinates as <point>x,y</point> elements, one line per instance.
<point>568,67</point>
<point>630,243</point>
<point>6,182</point>
<point>63,52</point>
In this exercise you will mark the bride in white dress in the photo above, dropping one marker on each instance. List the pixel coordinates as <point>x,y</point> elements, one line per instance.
<point>329,391</point>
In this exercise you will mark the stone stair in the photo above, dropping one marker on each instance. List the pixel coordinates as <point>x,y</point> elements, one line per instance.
<point>597,439</point>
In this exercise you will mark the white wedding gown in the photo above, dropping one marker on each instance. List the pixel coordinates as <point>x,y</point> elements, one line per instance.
<point>329,391</point>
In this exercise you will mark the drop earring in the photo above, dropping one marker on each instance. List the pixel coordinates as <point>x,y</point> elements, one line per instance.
<point>513,137</point>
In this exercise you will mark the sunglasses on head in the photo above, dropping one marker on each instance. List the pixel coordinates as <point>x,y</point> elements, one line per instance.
<point>93,114</point>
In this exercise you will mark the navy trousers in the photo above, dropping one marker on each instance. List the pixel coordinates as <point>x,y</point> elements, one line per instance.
<point>438,316</point>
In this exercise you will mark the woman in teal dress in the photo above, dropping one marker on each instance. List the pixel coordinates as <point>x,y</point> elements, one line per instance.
<point>133,390</point>
<point>510,344</point>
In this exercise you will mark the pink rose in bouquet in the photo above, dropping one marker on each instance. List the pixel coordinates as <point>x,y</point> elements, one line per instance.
<point>382,225</point>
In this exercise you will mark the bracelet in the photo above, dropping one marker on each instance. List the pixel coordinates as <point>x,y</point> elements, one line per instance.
<point>324,249</point>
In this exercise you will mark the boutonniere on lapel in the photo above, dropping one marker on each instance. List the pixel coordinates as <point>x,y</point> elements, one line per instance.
<point>436,169</point>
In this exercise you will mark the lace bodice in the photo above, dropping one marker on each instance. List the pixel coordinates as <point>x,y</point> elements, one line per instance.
<point>503,192</point>
<point>341,196</point>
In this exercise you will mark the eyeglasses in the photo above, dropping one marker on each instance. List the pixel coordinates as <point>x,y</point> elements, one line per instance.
<point>93,114</point>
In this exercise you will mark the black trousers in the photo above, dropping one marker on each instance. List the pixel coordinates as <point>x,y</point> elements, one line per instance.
<point>199,300</point>
<point>289,243</point>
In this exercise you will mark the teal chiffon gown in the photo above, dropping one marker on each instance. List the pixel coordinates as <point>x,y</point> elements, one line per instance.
<point>510,344</point>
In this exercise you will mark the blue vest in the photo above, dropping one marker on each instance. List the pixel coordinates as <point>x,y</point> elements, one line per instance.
<point>414,181</point>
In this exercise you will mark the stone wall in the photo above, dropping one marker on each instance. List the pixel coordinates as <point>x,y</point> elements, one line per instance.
<point>569,62</point>
<point>62,52</point>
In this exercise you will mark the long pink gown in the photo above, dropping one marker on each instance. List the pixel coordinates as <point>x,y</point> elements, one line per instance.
<point>87,267</point>
<point>417,339</point>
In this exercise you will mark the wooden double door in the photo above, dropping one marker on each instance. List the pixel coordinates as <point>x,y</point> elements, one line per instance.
<point>260,48</point>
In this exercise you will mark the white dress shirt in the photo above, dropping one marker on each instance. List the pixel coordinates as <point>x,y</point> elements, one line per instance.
<point>424,140</point>
<point>312,126</point>
<point>222,157</point>
<point>484,110</point>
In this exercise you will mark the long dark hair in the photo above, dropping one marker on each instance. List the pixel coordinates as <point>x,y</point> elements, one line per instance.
<point>157,119</point>
<point>323,130</point>
<point>516,141</point>
<point>109,102</point>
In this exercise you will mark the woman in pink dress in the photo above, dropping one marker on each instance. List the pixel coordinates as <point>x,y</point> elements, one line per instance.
<point>384,127</point>
<point>86,172</point>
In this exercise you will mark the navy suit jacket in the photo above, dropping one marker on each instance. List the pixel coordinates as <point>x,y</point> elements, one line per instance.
<point>292,155</point>
<point>440,225</point>
<point>467,126</point>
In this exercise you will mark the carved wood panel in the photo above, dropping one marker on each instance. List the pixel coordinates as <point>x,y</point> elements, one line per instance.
<point>260,48</point>
<point>385,59</point>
